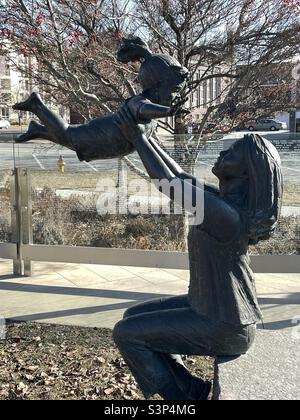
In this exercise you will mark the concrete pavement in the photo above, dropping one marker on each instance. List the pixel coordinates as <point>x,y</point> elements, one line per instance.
<point>97,296</point>
<point>270,371</point>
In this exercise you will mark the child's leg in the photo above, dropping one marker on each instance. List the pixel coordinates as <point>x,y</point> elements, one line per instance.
<point>56,127</point>
<point>35,131</point>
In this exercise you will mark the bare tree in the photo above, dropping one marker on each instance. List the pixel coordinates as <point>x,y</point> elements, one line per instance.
<point>235,43</point>
<point>241,42</point>
<point>73,44</point>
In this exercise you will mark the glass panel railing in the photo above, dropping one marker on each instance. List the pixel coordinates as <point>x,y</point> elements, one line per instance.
<point>67,209</point>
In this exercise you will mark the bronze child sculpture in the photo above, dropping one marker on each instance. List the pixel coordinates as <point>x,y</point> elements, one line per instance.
<point>162,79</point>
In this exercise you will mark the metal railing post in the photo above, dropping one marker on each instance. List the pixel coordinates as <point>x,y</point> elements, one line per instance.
<point>26,209</point>
<point>16,220</point>
<point>21,218</point>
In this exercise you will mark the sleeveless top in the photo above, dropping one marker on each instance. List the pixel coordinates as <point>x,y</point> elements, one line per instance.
<point>222,284</point>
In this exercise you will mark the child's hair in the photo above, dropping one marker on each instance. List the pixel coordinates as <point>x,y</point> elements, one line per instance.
<point>156,68</point>
<point>133,49</point>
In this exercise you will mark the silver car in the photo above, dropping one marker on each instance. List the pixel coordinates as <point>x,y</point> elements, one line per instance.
<point>267,125</point>
<point>4,124</point>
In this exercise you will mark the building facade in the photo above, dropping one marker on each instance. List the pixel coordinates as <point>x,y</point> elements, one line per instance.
<point>210,92</point>
<point>14,86</point>
<point>277,87</point>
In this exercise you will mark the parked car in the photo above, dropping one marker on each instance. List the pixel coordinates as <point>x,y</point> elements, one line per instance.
<point>4,124</point>
<point>266,125</point>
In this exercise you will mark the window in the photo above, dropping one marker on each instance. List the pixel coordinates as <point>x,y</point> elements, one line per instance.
<point>192,100</point>
<point>27,86</point>
<point>7,70</point>
<point>2,66</point>
<point>5,113</point>
<point>198,96</point>
<point>211,90</point>
<point>202,94</point>
<point>5,84</point>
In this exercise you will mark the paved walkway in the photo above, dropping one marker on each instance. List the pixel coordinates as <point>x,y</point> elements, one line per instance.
<point>96,296</point>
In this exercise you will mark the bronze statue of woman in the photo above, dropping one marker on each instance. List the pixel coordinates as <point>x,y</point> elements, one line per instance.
<point>219,314</point>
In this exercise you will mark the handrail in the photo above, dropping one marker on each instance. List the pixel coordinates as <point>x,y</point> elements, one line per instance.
<point>136,258</point>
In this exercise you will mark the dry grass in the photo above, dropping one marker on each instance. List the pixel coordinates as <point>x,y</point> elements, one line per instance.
<point>285,241</point>
<point>86,181</point>
<point>291,195</point>
<point>5,208</point>
<point>50,362</point>
<point>75,221</point>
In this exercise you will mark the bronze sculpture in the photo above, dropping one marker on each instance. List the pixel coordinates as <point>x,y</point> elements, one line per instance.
<point>162,79</point>
<point>218,316</point>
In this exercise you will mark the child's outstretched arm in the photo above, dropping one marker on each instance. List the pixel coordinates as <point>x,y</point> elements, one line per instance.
<point>151,111</point>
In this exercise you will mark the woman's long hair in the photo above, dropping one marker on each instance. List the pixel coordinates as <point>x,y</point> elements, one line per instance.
<point>263,165</point>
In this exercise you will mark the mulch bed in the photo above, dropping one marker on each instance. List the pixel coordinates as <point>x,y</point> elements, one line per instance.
<point>53,362</point>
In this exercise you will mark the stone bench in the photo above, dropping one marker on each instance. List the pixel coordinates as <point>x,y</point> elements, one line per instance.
<point>270,371</point>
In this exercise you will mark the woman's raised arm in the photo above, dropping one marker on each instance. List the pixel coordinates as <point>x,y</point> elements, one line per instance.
<point>153,162</point>
<point>177,169</point>
<point>219,218</point>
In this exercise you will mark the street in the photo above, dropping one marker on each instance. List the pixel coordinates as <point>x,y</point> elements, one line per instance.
<point>42,155</point>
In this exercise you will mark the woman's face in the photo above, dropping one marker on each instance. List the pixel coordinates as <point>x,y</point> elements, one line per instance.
<point>230,164</point>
